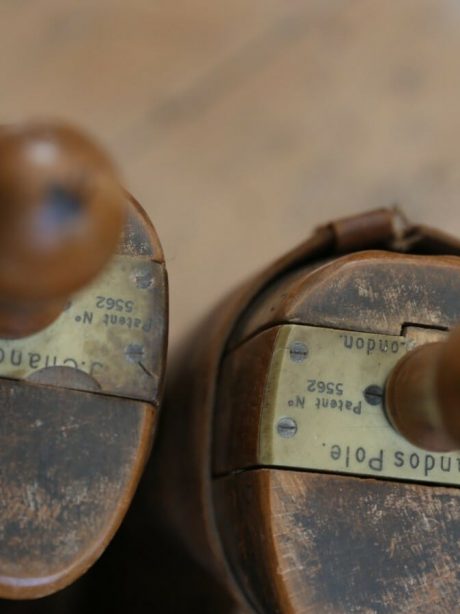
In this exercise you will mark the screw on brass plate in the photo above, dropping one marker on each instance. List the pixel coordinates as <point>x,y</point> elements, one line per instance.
<point>286,427</point>
<point>298,351</point>
<point>134,352</point>
<point>144,279</point>
<point>373,395</point>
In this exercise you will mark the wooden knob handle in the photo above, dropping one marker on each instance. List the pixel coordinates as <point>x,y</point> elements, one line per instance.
<point>61,215</point>
<point>422,396</point>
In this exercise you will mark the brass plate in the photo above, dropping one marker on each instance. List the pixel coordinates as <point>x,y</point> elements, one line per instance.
<point>108,331</point>
<point>323,410</point>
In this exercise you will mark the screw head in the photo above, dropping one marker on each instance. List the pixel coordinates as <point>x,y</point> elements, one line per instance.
<point>298,351</point>
<point>134,352</point>
<point>373,394</point>
<point>144,279</point>
<point>286,427</point>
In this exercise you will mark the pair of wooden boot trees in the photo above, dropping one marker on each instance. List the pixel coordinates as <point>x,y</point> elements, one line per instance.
<point>309,451</point>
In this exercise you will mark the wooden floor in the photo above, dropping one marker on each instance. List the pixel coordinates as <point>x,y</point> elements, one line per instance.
<point>241,125</point>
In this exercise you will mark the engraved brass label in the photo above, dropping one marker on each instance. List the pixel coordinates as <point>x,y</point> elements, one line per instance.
<point>323,408</point>
<point>107,331</point>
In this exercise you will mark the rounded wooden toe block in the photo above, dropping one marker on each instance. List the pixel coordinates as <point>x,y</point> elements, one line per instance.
<point>69,464</point>
<point>339,544</point>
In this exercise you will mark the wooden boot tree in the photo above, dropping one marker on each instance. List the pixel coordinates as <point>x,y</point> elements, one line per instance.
<point>319,427</point>
<point>83,325</point>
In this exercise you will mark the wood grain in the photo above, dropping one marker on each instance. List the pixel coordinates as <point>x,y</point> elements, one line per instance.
<point>71,460</point>
<point>205,420</point>
<point>338,545</point>
<point>239,125</point>
<point>70,464</point>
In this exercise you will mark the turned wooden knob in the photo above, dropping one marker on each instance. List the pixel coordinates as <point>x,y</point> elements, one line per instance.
<point>423,395</point>
<point>61,215</point>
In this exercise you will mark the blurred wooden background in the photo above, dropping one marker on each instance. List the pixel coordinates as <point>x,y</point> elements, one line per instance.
<point>240,125</point>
